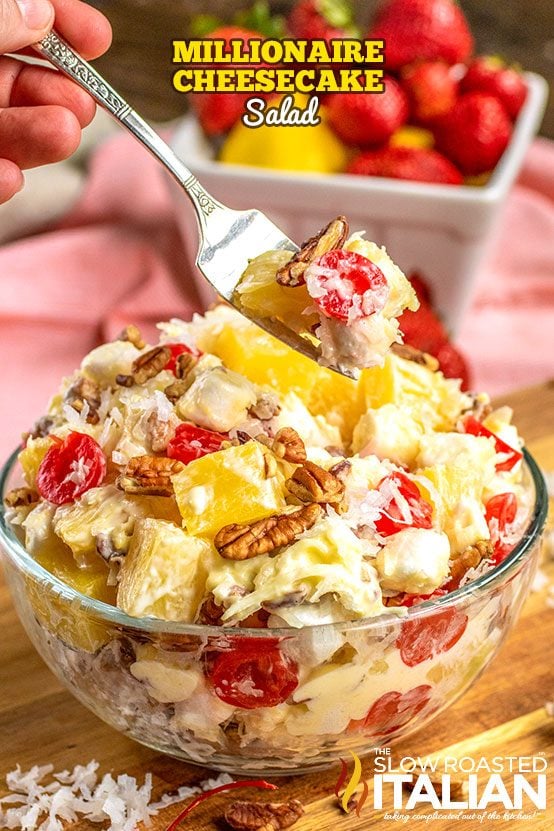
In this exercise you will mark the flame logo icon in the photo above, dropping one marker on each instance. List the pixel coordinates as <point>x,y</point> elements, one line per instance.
<point>351,786</point>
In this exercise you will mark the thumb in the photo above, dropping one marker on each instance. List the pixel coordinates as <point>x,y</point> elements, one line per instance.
<point>24,22</point>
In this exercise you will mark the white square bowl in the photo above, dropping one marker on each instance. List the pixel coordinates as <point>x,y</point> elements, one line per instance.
<point>443,231</point>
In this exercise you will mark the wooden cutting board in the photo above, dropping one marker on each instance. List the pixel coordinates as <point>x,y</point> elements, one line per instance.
<point>502,714</point>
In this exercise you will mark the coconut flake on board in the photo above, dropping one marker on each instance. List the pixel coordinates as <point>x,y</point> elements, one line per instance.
<point>34,806</point>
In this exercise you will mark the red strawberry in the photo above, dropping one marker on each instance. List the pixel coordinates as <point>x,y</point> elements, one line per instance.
<point>412,163</point>
<point>492,75</point>
<point>219,111</point>
<point>431,88</point>
<point>421,287</point>
<point>323,19</point>
<point>423,330</point>
<point>453,364</point>
<point>475,133</point>
<point>422,30</point>
<point>368,118</point>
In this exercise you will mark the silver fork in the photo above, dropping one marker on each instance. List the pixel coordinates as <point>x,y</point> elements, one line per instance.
<point>228,238</point>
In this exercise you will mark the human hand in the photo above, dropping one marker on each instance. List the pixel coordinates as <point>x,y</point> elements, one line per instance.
<point>42,112</point>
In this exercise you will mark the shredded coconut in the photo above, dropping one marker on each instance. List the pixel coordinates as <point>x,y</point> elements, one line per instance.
<point>70,795</point>
<point>186,791</point>
<point>79,793</point>
<point>80,469</point>
<point>73,418</point>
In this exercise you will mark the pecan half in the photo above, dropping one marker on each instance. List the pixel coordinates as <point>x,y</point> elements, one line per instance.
<point>19,497</point>
<point>149,475</point>
<point>241,542</point>
<point>470,557</point>
<point>263,816</point>
<point>184,364</point>
<point>332,236</point>
<point>158,432</point>
<point>146,366</point>
<point>311,483</point>
<point>84,391</point>
<point>175,390</point>
<point>132,334</point>
<point>410,353</point>
<point>286,445</point>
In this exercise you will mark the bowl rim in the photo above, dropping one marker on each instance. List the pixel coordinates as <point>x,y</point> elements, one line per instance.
<point>525,127</point>
<point>24,562</point>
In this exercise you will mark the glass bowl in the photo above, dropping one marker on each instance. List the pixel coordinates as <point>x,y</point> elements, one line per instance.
<point>274,701</point>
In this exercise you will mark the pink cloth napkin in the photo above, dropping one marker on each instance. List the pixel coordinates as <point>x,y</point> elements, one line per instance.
<point>118,258</point>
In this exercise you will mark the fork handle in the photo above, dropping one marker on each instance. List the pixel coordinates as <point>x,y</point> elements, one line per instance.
<point>55,49</point>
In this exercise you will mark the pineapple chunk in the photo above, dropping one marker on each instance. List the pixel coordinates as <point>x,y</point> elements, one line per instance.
<point>260,295</point>
<point>389,433</point>
<point>90,581</point>
<point>227,486</point>
<point>31,456</point>
<point>247,349</point>
<point>432,400</point>
<point>164,573</point>
<point>70,622</point>
<point>107,513</point>
<point>455,491</point>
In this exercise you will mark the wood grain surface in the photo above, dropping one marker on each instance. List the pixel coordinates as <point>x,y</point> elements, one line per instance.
<point>502,714</point>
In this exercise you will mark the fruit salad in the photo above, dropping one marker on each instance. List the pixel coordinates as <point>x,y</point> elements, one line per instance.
<point>343,293</point>
<point>219,478</point>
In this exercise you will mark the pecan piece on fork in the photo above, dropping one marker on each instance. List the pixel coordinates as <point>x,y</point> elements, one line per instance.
<point>241,542</point>
<point>263,816</point>
<point>149,475</point>
<point>332,236</point>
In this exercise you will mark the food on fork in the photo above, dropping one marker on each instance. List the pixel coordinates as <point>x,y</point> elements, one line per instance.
<point>344,293</point>
<point>220,478</point>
